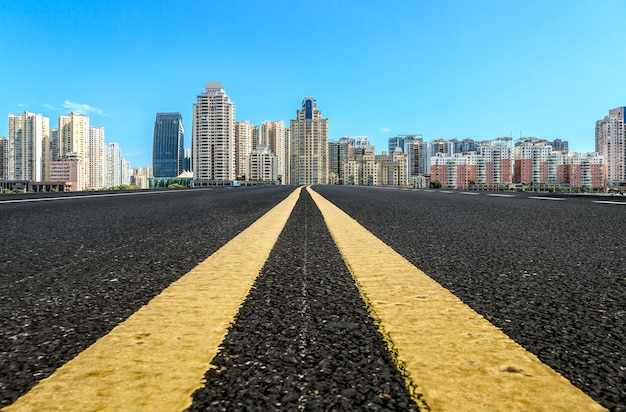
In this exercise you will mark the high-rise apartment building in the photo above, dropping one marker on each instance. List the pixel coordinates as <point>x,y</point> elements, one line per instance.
<point>112,165</point>
<point>309,145</point>
<point>531,162</point>
<point>611,144</point>
<point>4,158</point>
<point>356,141</point>
<point>400,141</point>
<point>27,134</point>
<point>496,164</point>
<point>74,138</point>
<point>337,161</point>
<point>274,136</point>
<point>213,136</point>
<point>96,157</point>
<point>263,165</point>
<point>243,147</point>
<point>168,145</point>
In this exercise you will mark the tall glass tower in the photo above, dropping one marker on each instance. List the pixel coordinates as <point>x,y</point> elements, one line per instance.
<point>168,145</point>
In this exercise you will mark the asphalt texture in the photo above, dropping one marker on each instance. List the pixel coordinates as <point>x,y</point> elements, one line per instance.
<point>303,338</point>
<point>550,274</point>
<point>72,269</point>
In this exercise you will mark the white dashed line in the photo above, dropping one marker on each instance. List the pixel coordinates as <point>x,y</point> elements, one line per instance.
<point>609,202</point>
<point>545,198</point>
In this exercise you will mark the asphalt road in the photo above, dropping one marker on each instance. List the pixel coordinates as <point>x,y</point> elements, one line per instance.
<point>72,269</point>
<point>550,273</point>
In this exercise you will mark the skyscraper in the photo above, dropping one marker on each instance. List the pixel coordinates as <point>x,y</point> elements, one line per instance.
<point>27,134</point>
<point>243,147</point>
<point>96,157</point>
<point>4,158</point>
<point>213,136</point>
<point>275,136</point>
<point>74,138</point>
<point>309,145</point>
<point>168,143</point>
<point>611,143</point>
<point>112,165</point>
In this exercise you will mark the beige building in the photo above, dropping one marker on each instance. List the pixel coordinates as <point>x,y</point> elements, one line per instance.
<point>96,157</point>
<point>274,135</point>
<point>74,138</point>
<point>243,146</point>
<point>213,136</point>
<point>28,133</point>
<point>611,144</point>
<point>309,146</point>
<point>263,165</point>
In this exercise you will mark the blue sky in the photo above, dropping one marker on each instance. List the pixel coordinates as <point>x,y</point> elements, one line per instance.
<point>446,69</point>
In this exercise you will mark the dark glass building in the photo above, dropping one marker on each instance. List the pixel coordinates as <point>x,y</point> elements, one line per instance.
<point>168,145</point>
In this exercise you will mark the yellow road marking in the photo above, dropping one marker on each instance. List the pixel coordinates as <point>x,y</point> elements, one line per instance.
<point>157,358</point>
<point>459,361</point>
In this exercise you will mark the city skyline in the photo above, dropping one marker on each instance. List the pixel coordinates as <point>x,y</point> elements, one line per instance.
<point>448,69</point>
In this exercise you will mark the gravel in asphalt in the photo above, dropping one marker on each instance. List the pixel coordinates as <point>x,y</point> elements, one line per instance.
<point>303,338</point>
<point>73,269</point>
<point>551,275</point>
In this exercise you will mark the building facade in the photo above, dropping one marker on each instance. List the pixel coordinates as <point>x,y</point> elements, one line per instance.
<point>96,156</point>
<point>213,136</point>
<point>112,165</point>
<point>611,144</point>
<point>309,145</point>
<point>263,165</point>
<point>275,137</point>
<point>74,137</point>
<point>28,133</point>
<point>243,147</point>
<point>168,145</point>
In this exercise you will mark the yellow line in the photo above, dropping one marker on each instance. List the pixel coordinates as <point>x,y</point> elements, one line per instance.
<point>459,361</point>
<point>158,356</point>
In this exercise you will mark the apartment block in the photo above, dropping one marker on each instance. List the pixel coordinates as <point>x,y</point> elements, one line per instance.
<point>243,147</point>
<point>74,137</point>
<point>4,158</point>
<point>586,171</point>
<point>611,144</point>
<point>96,157</point>
<point>213,136</point>
<point>531,162</point>
<point>275,137</point>
<point>457,171</point>
<point>309,145</point>
<point>28,133</point>
<point>68,169</point>
<point>263,165</point>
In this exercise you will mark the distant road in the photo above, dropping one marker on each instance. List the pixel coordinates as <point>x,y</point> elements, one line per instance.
<point>550,271</point>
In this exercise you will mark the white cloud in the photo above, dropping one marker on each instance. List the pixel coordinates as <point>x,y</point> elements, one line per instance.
<point>50,107</point>
<point>21,105</point>
<point>384,130</point>
<point>82,108</point>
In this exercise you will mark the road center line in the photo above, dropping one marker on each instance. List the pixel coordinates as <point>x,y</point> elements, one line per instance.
<point>157,358</point>
<point>458,360</point>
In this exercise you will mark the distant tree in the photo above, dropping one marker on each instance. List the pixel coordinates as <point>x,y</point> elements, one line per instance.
<point>435,184</point>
